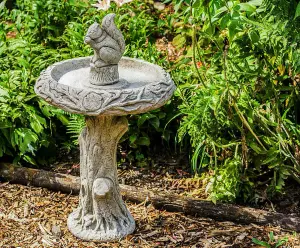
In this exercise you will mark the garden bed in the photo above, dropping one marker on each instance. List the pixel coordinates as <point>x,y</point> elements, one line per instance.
<point>35,217</point>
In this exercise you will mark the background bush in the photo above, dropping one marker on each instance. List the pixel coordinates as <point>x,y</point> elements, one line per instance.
<point>36,34</point>
<point>241,110</point>
<point>237,77</point>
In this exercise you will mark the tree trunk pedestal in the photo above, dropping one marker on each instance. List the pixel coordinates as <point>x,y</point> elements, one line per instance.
<point>101,215</point>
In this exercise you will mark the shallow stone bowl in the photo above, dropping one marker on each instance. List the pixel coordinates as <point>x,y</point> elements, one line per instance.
<point>142,87</point>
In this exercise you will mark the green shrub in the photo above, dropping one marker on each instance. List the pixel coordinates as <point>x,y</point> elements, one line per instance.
<point>28,126</point>
<point>240,106</point>
<point>36,34</point>
<point>24,118</point>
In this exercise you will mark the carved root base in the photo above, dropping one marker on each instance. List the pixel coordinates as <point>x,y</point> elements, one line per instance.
<point>98,234</point>
<point>101,215</point>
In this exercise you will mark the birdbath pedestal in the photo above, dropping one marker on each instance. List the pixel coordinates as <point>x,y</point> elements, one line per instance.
<point>104,88</point>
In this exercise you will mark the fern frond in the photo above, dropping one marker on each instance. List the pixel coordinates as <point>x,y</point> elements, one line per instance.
<point>75,126</point>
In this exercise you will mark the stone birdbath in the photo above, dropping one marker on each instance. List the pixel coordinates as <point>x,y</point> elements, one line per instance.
<point>105,88</point>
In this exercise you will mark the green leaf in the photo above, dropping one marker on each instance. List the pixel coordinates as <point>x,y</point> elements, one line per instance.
<point>254,36</point>
<point>5,124</point>
<point>63,119</point>
<point>179,41</point>
<point>132,138</point>
<point>36,126</point>
<point>23,62</point>
<point>155,122</point>
<point>224,21</point>
<point>256,148</point>
<point>233,29</point>
<point>144,117</point>
<point>161,115</point>
<point>281,242</point>
<point>262,243</point>
<point>2,5</point>
<point>297,13</point>
<point>255,2</point>
<point>25,138</point>
<point>29,159</point>
<point>197,3</point>
<point>247,7</point>
<point>166,135</point>
<point>143,141</point>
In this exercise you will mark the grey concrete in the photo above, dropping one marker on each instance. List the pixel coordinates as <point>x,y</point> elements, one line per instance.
<point>66,85</point>
<point>109,45</point>
<point>104,88</point>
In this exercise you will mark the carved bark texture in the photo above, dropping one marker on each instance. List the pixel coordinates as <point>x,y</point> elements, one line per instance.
<point>101,214</point>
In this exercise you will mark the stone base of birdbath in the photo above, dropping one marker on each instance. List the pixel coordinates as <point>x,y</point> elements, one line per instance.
<point>101,214</point>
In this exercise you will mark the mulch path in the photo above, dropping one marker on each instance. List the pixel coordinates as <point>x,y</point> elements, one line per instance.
<point>35,217</point>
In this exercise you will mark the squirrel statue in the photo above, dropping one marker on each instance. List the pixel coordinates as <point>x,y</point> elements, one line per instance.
<point>109,45</point>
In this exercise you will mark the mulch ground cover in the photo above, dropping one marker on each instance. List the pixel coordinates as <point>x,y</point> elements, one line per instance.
<point>169,175</point>
<point>36,217</point>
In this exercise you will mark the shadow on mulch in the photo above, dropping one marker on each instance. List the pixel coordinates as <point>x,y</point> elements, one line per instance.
<point>35,217</point>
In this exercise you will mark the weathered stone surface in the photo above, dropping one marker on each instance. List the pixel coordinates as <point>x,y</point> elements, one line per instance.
<point>103,88</point>
<point>109,45</point>
<point>142,87</point>
<point>101,214</point>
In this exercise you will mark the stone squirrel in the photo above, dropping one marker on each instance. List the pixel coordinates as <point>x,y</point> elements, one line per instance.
<point>107,41</point>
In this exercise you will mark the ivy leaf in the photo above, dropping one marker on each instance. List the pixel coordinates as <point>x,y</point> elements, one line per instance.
<point>161,115</point>
<point>144,117</point>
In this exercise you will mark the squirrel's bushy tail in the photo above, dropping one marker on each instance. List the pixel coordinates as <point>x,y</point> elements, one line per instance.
<point>109,26</point>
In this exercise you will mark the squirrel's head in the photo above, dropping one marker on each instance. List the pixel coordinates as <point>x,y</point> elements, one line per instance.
<point>93,32</point>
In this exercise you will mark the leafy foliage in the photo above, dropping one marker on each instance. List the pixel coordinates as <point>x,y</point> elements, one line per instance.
<point>24,119</point>
<point>238,85</point>
<point>240,110</point>
<point>35,34</point>
<point>272,241</point>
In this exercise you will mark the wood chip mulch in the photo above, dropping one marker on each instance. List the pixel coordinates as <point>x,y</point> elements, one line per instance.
<point>35,217</point>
